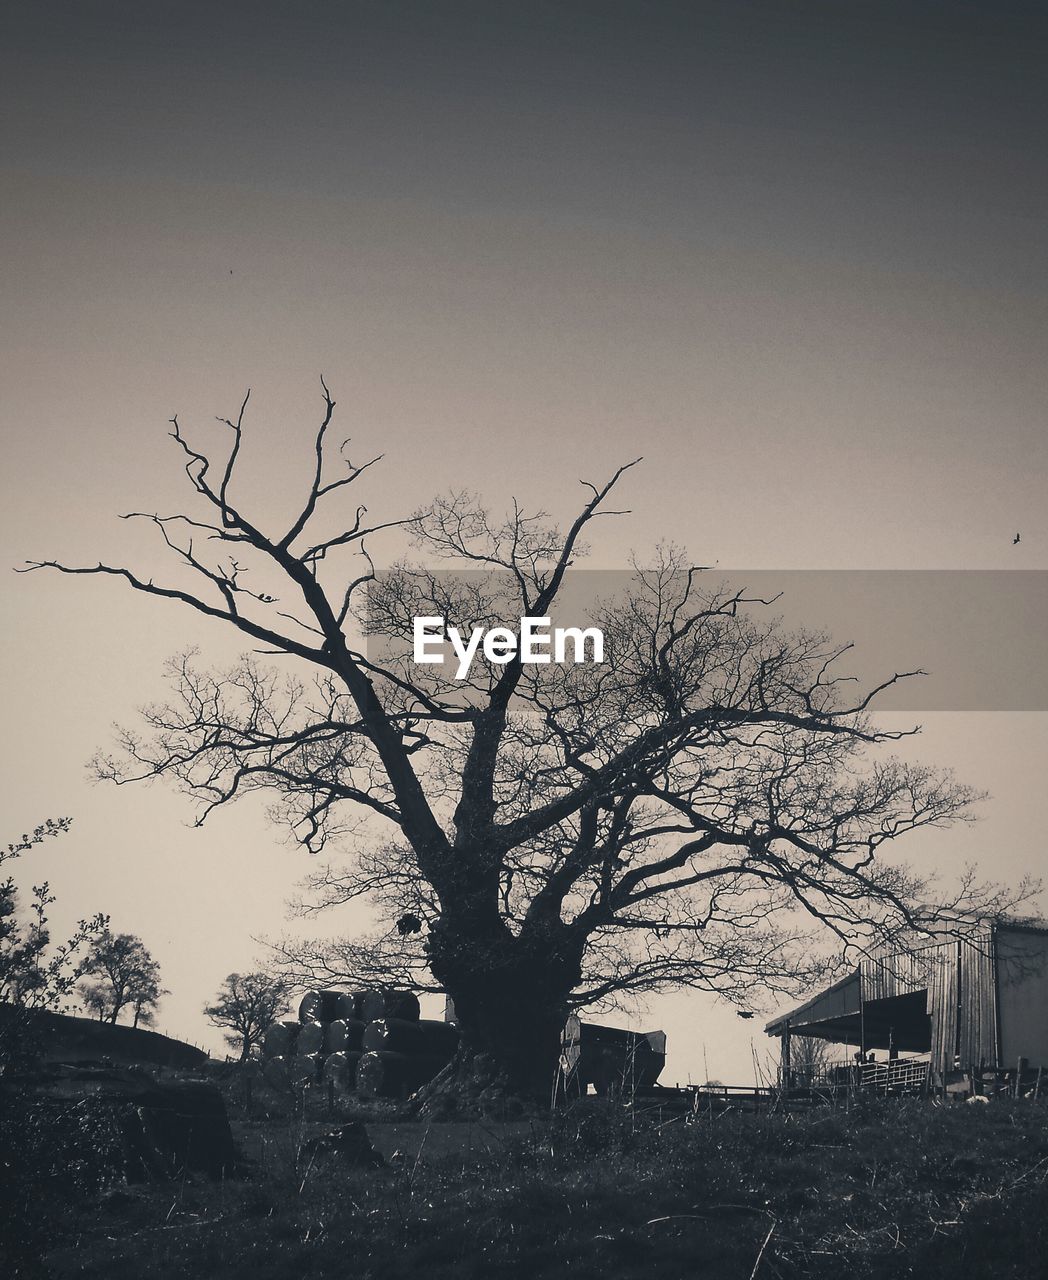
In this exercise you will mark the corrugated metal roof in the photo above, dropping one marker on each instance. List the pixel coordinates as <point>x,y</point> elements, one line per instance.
<point>839,1001</point>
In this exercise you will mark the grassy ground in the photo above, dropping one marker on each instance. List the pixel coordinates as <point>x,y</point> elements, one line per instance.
<point>890,1189</point>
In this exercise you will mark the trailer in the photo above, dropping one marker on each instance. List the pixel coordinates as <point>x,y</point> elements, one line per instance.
<point>610,1060</point>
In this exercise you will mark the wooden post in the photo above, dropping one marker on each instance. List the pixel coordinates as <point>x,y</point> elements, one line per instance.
<point>1020,1067</point>
<point>785,1070</point>
<point>1037,1084</point>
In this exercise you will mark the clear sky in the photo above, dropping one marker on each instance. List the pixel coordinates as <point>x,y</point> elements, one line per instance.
<point>794,254</point>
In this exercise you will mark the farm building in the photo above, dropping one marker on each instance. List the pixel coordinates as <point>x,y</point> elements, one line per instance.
<point>980,1001</point>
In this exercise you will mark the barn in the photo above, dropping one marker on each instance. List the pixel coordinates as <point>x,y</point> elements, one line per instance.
<point>950,1004</point>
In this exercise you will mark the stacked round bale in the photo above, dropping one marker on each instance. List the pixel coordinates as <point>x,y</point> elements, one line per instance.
<point>372,1042</point>
<point>402,1054</point>
<point>327,1029</point>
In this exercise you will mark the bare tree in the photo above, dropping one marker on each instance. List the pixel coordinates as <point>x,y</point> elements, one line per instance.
<point>688,812</point>
<point>247,1005</point>
<point>121,974</point>
<point>809,1060</point>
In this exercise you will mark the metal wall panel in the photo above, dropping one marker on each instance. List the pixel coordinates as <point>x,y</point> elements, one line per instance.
<point>1022,975</point>
<point>978,1011</point>
<point>958,976</point>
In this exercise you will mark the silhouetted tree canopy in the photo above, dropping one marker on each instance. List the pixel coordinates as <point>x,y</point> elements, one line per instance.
<point>246,1007</point>
<point>120,974</point>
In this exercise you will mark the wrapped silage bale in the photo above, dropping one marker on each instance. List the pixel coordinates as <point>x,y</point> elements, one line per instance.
<point>310,1038</point>
<point>394,1075</point>
<point>343,1033</point>
<point>324,1006</point>
<point>425,1038</point>
<point>304,1068</point>
<point>279,1040</point>
<point>275,1072</point>
<point>389,1004</point>
<point>340,1070</point>
<point>349,1005</point>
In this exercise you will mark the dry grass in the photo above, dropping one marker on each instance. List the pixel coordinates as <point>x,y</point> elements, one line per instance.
<point>892,1189</point>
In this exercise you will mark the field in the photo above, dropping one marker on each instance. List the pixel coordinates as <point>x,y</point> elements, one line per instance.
<point>886,1188</point>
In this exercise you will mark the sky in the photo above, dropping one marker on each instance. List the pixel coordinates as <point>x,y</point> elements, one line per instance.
<point>792,253</point>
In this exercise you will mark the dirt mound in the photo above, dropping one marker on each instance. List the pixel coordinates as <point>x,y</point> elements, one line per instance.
<point>63,1038</point>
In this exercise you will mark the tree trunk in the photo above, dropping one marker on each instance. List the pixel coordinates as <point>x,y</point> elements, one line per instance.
<point>511,1001</point>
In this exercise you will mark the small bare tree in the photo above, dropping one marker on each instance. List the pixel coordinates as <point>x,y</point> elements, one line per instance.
<point>246,1007</point>
<point>121,974</point>
<point>809,1060</point>
<point>685,814</point>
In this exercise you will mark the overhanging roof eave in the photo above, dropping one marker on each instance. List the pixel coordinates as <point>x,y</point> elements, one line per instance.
<point>828,1006</point>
